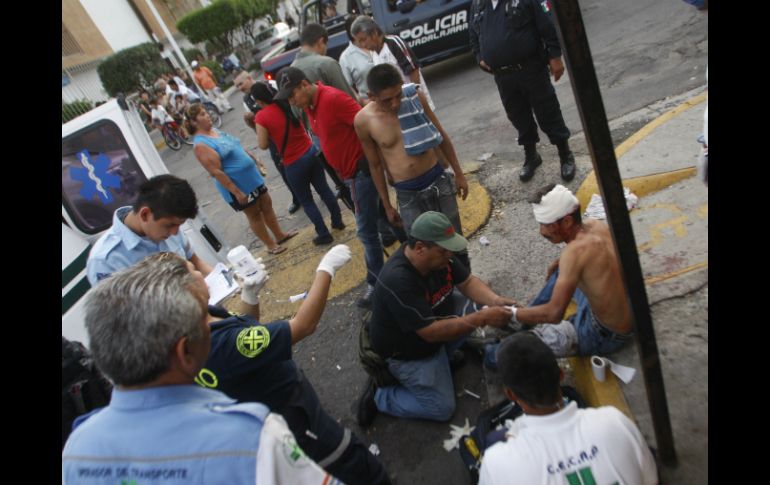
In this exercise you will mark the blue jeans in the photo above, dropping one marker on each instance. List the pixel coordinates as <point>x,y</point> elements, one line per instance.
<point>365,198</point>
<point>425,388</point>
<point>303,172</point>
<point>592,337</point>
<point>276,157</point>
<point>440,196</point>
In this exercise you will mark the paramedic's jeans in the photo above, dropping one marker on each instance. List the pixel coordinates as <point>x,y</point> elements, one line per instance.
<point>365,199</point>
<point>440,196</point>
<point>425,387</point>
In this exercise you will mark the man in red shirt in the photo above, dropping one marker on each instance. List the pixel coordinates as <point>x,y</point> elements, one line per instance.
<point>205,79</point>
<point>331,113</point>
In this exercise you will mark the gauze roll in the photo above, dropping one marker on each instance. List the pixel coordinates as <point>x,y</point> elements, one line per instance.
<point>554,205</point>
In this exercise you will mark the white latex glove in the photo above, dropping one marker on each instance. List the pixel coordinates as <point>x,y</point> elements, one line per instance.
<point>334,259</point>
<point>250,286</point>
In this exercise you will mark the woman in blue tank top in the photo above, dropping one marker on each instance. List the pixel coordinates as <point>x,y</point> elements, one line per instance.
<point>236,177</point>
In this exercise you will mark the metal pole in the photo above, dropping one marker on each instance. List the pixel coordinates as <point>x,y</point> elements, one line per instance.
<point>171,39</point>
<point>585,87</point>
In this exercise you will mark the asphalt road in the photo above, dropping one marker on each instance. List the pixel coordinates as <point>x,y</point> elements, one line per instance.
<point>644,51</point>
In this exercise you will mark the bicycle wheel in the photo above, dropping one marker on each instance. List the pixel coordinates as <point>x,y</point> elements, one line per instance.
<point>213,112</point>
<point>186,138</point>
<point>172,140</point>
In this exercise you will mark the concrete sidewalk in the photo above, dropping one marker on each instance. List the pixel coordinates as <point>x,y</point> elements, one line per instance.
<point>670,227</point>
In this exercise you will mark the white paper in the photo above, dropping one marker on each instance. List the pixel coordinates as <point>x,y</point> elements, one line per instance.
<point>623,372</point>
<point>219,287</point>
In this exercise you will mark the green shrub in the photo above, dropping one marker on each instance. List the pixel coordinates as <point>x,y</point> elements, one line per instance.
<point>131,69</point>
<point>73,110</point>
<point>192,54</point>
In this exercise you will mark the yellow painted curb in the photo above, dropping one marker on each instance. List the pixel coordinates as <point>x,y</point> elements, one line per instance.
<point>650,183</point>
<point>641,186</point>
<point>607,393</point>
<point>292,272</point>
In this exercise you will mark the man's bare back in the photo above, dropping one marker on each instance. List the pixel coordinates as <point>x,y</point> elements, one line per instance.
<point>385,130</point>
<point>591,256</point>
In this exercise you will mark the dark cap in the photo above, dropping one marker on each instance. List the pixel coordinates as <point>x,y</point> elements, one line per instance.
<point>435,227</point>
<point>287,79</point>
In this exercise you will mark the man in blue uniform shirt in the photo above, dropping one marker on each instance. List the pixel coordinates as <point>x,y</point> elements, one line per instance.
<point>250,361</point>
<point>149,333</point>
<point>164,203</point>
<point>516,41</point>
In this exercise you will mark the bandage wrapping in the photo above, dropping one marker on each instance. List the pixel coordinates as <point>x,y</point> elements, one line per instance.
<point>554,205</point>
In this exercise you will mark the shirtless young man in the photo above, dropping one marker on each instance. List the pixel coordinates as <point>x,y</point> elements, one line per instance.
<point>399,129</point>
<point>588,270</point>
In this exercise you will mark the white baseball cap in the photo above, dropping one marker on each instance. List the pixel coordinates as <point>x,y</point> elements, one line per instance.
<point>194,64</point>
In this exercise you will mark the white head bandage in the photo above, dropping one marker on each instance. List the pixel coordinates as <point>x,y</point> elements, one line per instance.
<point>554,205</point>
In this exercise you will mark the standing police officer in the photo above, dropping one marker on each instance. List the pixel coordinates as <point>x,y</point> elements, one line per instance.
<point>514,40</point>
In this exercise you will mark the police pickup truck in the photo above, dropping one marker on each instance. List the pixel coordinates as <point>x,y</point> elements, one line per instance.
<point>434,29</point>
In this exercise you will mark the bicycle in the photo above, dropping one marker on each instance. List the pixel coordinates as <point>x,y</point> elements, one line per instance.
<point>212,110</point>
<point>172,136</point>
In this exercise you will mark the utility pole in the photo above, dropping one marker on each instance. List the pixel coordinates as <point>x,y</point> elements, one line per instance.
<point>171,39</point>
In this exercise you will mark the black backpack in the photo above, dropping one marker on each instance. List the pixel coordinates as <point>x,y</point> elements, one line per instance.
<point>473,446</point>
<point>83,387</point>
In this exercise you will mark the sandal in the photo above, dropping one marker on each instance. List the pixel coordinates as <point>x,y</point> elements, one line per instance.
<point>288,236</point>
<point>277,250</point>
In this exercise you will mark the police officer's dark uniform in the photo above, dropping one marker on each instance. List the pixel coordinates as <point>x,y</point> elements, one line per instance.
<point>516,39</point>
<point>250,361</point>
<point>252,106</point>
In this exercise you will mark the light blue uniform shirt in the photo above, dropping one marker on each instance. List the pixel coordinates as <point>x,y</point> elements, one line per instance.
<point>120,247</point>
<point>166,435</point>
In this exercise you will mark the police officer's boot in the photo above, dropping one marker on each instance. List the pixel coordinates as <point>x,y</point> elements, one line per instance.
<point>567,160</point>
<point>531,161</point>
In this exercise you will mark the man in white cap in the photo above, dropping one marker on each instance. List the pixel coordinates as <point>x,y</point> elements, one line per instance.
<point>588,270</point>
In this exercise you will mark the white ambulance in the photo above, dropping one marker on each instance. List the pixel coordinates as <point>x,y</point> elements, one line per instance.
<point>106,154</point>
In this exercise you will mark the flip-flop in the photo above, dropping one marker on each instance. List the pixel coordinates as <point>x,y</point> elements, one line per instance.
<point>277,250</point>
<point>288,236</point>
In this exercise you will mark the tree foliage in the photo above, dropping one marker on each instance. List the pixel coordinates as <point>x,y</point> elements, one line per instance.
<point>218,23</point>
<point>248,11</point>
<point>215,23</point>
<point>131,69</point>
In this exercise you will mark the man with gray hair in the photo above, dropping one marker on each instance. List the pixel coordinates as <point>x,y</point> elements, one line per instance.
<point>588,270</point>
<point>149,333</point>
<point>390,49</point>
